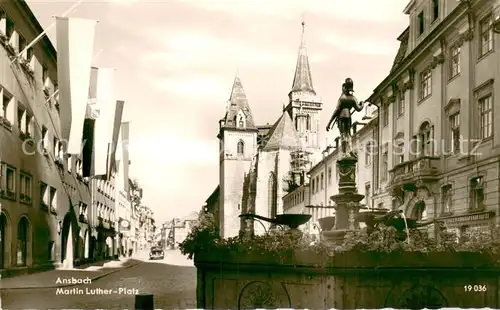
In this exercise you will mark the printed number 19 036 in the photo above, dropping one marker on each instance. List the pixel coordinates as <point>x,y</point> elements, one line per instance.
<point>475,288</point>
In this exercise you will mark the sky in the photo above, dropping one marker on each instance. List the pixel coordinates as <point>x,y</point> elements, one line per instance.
<point>176,61</point>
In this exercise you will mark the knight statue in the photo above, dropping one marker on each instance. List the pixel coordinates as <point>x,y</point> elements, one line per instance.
<point>342,114</point>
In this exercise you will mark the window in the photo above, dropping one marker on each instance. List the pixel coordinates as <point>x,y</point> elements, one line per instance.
<point>368,153</point>
<point>308,122</point>
<point>55,146</point>
<point>44,195</point>
<point>367,195</point>
<point>9,27</point>
<point>29,54</point>
<point>22,242</point>
<point>485,117</point>
<point>314,186</point>
<point>399,154</point>
<point>420,20</point>
<point>45,143</point>
<point>53,198</point>
<point>322,181</point>
<point>29,124</point>
<point>20,118</point>
<point>435,9</point>
<point>477,193</point>
<point>240,148</point>
<point>7,111</point>
<point>385,165</point>
<point>426,139</point>
<point>486,28</point>
<point>425,84</point>
<point>454,61</point>
<point>21,44</point>
<point>385,111</point>
<point>446,199</point>
<point>272,195</point>
<point>25,186</point>
<point>455,132</point>
<point>241,123</point>
<point>329,175</point>
<point>401,103</point>
<point>10,178</point>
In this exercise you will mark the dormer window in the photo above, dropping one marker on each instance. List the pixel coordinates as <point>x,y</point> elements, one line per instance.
<point>241,123</point>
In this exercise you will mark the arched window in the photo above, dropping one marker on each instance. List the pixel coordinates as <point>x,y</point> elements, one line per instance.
<point>240,148</point>
<point>22,242</point>
<point>272,191</point>
<point>425,134</point>
<point>308,122</point>
<point>241,122</point>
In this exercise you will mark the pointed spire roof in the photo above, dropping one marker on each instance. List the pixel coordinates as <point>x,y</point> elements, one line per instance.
<point>302,81</point>
<point>282,136</point>
<point>238,103</point>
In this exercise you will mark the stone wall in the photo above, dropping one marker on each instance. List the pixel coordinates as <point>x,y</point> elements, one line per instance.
<point>347,281</point>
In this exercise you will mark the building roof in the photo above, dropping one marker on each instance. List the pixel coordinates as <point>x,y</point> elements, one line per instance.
<point>38,28</point>
<point>282,135</point>
<point>238,102</point>
<point>302,80</point>
<point>214,196</point>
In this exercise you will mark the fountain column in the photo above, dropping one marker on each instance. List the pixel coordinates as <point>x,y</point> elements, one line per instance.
<point>347,201</point>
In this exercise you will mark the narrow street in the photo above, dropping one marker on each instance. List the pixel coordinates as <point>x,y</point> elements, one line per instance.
<point>172,281</point>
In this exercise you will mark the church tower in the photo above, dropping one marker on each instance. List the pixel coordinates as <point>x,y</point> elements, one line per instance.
<point>238,146</point>
<point>304,106</point>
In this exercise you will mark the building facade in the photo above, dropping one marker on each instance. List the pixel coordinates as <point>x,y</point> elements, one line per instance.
<point>438,153</point>
<point>51,215</point>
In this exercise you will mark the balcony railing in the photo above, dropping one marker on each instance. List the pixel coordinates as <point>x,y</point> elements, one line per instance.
<point>424,169</point>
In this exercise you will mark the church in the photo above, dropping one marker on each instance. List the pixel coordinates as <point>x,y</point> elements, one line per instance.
<point>259,165</point>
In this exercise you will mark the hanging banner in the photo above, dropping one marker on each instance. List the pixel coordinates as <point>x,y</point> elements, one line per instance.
<point>106,104</point>
<point>75,46</point>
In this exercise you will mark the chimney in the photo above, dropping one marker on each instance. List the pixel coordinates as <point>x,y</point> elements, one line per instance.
<point>125,128</point>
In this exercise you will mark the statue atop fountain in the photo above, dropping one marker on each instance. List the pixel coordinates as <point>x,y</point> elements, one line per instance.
<point>347,201</point>
<point>342,116</point>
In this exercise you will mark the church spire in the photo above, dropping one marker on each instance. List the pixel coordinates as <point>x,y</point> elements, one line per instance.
<point>237,108</point>
<point>302,81</point>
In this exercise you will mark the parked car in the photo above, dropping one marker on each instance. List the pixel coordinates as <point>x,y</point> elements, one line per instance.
<point>156,253</point>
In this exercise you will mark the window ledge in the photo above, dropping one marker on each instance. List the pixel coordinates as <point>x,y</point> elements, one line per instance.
<point>476,210</point>
<point>485,55</point>
<point>421,100</point>
<point>453,78</point>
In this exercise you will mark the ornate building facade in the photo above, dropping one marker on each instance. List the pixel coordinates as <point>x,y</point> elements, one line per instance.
<point>438,152</point>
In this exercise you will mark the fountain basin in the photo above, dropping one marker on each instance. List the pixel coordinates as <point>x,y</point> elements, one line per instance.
<point>326,223</point>
<point>347,198</point>
<point>369,216</point>
<point>292,220</point>
<point>335,235</point>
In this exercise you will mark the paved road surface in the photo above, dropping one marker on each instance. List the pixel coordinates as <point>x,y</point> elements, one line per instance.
<point>172,281</point>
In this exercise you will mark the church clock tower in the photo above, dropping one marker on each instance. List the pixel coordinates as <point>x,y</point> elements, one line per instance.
<point>304,106</point>
<point>238,146</point>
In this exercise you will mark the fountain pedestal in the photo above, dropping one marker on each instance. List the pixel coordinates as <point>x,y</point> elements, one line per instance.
<point>346,201</point>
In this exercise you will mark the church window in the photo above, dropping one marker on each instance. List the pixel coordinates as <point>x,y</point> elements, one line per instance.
<point>241,123</point>
<point>240,148</point>
<point>272,195</point>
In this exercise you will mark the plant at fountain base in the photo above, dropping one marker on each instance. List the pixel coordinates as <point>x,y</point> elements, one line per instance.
<point>283,244</point>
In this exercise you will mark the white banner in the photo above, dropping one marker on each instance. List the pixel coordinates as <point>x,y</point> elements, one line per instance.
<point>75,46</point>
<point>106,104</point>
